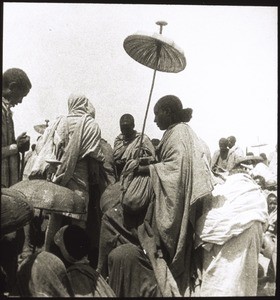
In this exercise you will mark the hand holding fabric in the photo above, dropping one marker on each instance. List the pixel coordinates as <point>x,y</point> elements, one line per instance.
<point>23,142</point>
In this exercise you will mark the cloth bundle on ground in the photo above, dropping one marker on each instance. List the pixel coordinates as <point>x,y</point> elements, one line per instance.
<point>231,234</point>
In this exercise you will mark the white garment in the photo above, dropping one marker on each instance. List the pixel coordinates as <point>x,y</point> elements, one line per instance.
<point>273,162</point>
<point>244,203</point>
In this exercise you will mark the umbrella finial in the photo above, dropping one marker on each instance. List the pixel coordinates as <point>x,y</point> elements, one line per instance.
<point>161,24</point>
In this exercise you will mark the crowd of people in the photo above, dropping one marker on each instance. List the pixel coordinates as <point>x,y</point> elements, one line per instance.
<point>163,218</point>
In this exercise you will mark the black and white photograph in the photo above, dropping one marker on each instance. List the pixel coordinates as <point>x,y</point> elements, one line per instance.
<point>139,150</point>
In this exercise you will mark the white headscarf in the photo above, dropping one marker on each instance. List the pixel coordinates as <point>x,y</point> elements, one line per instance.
<point>78,104</point>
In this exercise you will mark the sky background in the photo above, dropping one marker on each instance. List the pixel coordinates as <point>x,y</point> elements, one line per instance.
<point>230,80</point>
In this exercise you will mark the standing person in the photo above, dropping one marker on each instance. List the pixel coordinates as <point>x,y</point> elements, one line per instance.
<point>220,157</point>
<point>178,197</point>
<point>158,254</point>
<point>234,152</point>
<point>123,142</point>
<point>15,86</point>
<point>77,140</point>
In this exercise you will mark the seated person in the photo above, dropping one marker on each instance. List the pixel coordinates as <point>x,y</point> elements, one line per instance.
<point>43,275</point>
<point>74,245</point>
<point>123,142</point>
<point>220,157</point>
<point>272,211</point>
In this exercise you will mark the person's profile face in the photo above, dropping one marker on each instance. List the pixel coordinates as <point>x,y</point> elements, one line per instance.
<point>230,143</point>
<point>162,118</point>
<point>17,94</point>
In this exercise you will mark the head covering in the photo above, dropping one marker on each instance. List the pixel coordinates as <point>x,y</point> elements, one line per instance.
<point>73,243</point>
<point>43,275</point>
<point>78,104</point>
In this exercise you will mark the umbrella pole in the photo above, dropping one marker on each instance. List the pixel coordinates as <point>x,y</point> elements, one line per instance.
<point>146,114</point>
<point>149,101</point>
<point>161,24</point>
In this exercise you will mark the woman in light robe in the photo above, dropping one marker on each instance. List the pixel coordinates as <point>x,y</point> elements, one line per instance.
<point>76,138</point>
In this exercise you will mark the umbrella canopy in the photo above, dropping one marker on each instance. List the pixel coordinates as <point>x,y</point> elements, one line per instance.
<point>155,51</point>
<point>46,195</point>
<point>40,128</point>
<point>16,212</point>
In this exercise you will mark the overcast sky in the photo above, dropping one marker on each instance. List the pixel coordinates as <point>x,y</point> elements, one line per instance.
<point>230,80</point>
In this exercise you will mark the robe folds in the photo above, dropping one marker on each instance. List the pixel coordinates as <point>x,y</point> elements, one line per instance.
<point>86,282</point>
<point>43,275</point>
<point>181,177</point>
<point>231,234</point>
<point>162,236</point>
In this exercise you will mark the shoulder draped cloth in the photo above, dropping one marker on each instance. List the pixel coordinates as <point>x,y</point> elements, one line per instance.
<point>84,141</point>
<point>180,178</point>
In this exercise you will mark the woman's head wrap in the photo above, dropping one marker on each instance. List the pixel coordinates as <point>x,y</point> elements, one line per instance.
<point>78,104</point>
